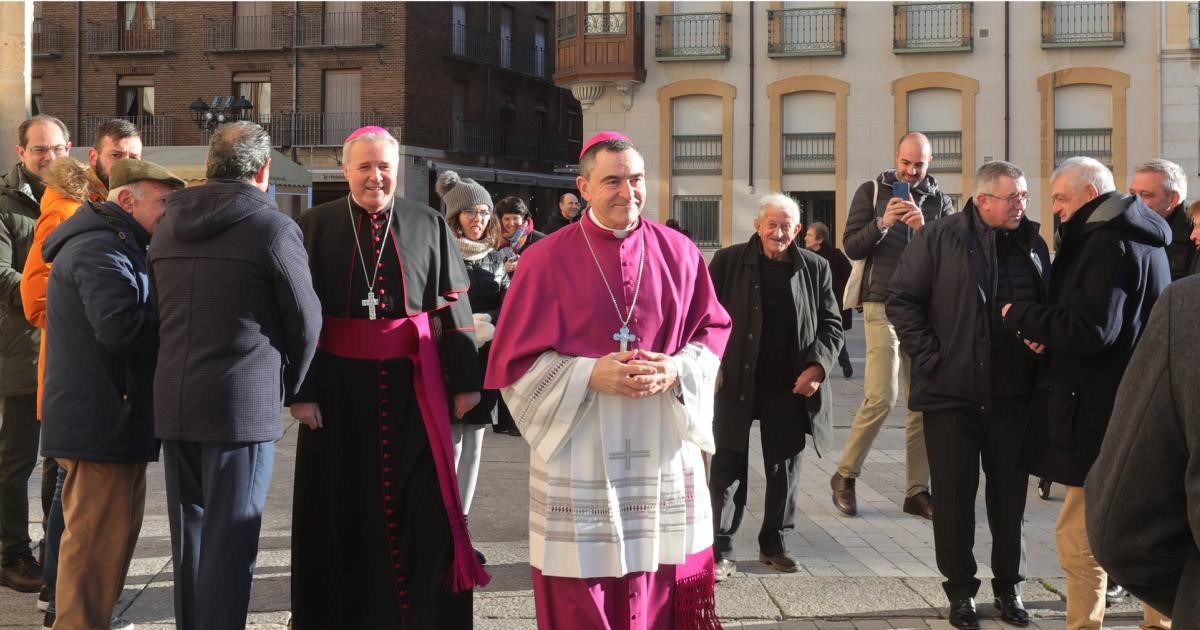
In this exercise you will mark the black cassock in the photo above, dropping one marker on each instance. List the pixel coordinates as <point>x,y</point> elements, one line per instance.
<point>371,544</point>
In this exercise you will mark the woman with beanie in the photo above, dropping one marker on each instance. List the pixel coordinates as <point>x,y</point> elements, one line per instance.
<point>469,214</point>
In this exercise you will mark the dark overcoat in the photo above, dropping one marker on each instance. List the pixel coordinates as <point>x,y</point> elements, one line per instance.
<point>735,275</point>
<point>1143,494</point>
<point>1110,268</point>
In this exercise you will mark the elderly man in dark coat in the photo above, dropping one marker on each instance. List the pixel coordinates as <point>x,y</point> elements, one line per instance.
<point>787,331</point>
<point>1144,490</point>
<point>1110,268</point>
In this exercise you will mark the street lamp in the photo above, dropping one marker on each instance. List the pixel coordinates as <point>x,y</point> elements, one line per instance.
<point>222,110</point>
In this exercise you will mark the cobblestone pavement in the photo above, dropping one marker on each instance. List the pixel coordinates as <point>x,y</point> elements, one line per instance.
<point>871,572</point>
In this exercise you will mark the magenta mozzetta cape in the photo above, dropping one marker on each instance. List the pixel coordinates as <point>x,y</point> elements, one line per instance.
<point>558,301</point>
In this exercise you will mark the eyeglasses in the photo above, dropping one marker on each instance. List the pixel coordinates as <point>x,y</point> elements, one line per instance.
<point>1020,197</point>
<point>58,149</point>
<point>471,212</point>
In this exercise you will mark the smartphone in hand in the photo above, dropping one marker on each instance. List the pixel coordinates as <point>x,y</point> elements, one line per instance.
<point>900,190</point>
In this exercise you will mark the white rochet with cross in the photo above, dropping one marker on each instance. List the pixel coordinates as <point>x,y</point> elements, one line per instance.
<point>628,454</point>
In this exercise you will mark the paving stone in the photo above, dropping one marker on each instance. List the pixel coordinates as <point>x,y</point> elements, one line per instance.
<point>745,598</point>
<point>826,597</point>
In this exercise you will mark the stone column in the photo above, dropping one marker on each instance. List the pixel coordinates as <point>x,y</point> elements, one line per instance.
<point>16,27</point>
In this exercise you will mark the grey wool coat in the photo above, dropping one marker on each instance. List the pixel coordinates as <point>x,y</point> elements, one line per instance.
<point>239,316</point>
<point>1143,494</point>
<point>735,276</point>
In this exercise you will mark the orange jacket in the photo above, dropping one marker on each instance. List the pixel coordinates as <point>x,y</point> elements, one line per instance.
<point>56,208</point>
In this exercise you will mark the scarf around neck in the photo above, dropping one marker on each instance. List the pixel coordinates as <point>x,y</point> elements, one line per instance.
<point>471,250</point>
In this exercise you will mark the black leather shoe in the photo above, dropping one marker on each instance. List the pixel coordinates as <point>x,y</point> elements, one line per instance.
<point>1012,610</point>
<point>963,614</point>
<point>1115,594</point>
<point>919,504</point>
<point>848,371</point>
<point>843,494</point>
<point>782,561</point>
<point>724,569</point>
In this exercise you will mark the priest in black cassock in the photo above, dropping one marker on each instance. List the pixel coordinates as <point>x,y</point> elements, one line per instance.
<point>378,535</point>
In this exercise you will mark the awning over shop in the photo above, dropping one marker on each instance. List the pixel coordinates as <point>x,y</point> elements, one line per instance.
<point>520,178</point>
<point>188,163</point>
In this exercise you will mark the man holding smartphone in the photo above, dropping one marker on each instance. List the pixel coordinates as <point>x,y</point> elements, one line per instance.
<point>884,215</point>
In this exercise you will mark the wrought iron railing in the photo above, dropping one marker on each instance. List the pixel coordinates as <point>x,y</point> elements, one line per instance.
<point>696,154</point>
<point>700,217</point>
<point>130,36</point>
<point>338,29</point>
<point>47,39</point>
<point>476,45</point>
<point>156,130</point>
<point>937,27</point>
<point>691,36</point>
<point>317,129</point>
<point>1075,23</point>
<point>466,136</point>
<point>472,137</point>
<point>1094,143</point>
<point>947,150</point>
<point>808,152</point>
<point>567,26</point>
<point>247,32</point>
<point>530,60</point>
<point>605,24</point>
<point>806,32</point>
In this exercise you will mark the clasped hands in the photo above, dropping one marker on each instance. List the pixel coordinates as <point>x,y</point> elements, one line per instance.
<point>634,374</point>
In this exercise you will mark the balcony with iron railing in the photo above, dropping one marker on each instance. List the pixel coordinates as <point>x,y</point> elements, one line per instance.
<point>806,32</point>
<point>937,27</point>
<point>490,139</point>
<point>473,45</point>
<point>947,151</point>
<point>156,130</point>
<point>47,39</point>
<point>340,30</point>
<point>605,24</point>
<point>529,60</point>
<point>808,152</point>
<point>696,154</point>
<point>131,37</point>
<point>567,26</point>
<point>692,36</point>
<point>1074,24</point>
<point>1094,143</point>
<point>318,129</point>
<point>700,217</point>
<point>236,33</point>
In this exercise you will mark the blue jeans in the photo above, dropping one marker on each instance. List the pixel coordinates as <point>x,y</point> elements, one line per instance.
<point>54,531</point>
<point>215,497</point>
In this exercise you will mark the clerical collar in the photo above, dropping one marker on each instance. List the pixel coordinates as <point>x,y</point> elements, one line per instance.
<point>622,233</point>
<point>385,209</point>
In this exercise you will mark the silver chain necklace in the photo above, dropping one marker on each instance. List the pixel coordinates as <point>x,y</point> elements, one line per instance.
<point>622,335</point>
<point>371,301</point>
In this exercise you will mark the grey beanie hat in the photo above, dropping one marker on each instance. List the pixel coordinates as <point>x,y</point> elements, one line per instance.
<point>460,194</point>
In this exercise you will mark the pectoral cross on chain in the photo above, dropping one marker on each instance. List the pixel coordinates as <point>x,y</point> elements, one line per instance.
<point>628,454</point>
<point>624,336</point>
<point>371,302</point>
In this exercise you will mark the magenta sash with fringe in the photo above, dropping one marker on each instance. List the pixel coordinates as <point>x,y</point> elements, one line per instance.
<point>411,338</point>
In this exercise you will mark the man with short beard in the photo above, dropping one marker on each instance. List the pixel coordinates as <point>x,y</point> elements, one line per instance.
<point>879,226</point>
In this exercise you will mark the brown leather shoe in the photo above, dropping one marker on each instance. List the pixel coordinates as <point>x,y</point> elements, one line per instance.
<point>919,504</point>
<point>23,574</point>
<point>843,494</point>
